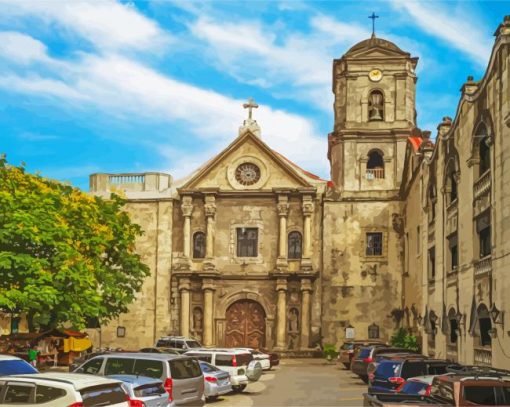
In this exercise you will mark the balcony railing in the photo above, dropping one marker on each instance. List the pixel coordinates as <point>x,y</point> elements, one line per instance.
<point>374,173</point>
<point>482,186</point>
<point>483,357</point>
<point>483,266</point>
<point>127,179</point>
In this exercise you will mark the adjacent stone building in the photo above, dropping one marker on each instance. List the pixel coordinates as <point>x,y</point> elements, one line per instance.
<point>252,250</point>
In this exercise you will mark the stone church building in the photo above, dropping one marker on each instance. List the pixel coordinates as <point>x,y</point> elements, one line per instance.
<point>251,249</point>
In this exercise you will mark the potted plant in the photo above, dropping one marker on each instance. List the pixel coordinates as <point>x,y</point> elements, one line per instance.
<point>329,352</point>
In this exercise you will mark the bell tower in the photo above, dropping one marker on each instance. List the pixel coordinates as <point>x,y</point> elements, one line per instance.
<point>374,87</point>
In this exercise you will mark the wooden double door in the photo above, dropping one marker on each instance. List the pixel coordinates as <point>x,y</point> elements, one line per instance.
<point>246,325</point>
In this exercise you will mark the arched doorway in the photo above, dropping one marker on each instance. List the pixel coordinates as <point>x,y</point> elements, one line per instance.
<point>246,325</point>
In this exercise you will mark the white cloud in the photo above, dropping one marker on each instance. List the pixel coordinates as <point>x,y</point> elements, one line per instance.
<point>120,86</point>
<point>106,24</point>
<point>21,48</point>
<point>462,32</point>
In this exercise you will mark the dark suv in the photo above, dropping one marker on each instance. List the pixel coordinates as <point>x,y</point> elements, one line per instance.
<point>391,373</point>
<point>367,355</point>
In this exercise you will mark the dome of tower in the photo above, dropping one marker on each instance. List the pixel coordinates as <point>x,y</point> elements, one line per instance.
<point>374,42</point>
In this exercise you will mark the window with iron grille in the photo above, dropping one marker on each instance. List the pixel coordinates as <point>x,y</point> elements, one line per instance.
<point>247,242</point>
<point>295,245</point>
<point>374,244</point>
<point>483,228</point>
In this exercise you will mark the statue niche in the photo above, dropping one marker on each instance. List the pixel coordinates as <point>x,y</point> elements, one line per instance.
<point>198,318</point>
<point>376,106</point>
<point>293,328</point>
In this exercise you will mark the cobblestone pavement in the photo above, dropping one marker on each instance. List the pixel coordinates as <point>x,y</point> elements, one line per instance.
<point>300,382</point>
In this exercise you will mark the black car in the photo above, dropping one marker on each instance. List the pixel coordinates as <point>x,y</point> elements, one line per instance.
<point>391,373</point>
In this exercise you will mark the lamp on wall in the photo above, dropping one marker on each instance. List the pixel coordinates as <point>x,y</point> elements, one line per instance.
<point>496,314</point>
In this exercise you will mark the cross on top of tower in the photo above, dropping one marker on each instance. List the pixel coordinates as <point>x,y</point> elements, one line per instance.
<point>373,17</point>
<point>250,105</point>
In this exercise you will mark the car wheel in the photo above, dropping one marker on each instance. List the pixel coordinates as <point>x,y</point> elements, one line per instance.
<point>211,398</point>
<point>364,378</point>
<point>239,389</point>
<point>347,365</point>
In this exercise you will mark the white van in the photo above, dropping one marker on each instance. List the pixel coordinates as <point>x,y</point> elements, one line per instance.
<point>238,363</point>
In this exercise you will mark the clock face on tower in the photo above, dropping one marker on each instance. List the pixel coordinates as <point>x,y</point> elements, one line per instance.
<point>375,75</point>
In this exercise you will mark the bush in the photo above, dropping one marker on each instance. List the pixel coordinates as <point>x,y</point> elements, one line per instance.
<point>329,351</point>
<point>402,339</point>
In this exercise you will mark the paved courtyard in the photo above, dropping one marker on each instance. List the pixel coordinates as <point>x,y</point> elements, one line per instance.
<point>300,382</point>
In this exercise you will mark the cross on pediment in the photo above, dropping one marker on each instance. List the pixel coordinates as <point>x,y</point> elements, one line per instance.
<point>373,17</point>
<point>250,105</point>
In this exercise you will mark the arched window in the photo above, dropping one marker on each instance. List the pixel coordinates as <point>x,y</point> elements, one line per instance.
<point>375,165</point>
<point>295,245</point>
<point>485,155</point>
<point>199,245</point>
<point>454,326</point>
<point>484,325</point>
<point>376,106</point>
<point>453,187</point>
<point>481,148</point>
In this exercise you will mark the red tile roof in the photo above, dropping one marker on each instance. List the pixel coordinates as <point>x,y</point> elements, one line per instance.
<point>415,142</point>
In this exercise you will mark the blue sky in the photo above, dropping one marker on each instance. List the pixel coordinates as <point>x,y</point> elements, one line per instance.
<point>104,86</point>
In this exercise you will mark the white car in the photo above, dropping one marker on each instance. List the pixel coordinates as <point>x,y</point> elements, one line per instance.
<point>235,361</point>
<point>61,390</point>
<point>263,358</point>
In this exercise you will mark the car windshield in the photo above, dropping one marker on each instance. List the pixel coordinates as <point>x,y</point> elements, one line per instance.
<point>364,353</point>
<point>414,387</point>
<point>193,344</point>
<point>388,369</point>
<point>207,368</point>
<point>347,346</point>
<point>12,367</point>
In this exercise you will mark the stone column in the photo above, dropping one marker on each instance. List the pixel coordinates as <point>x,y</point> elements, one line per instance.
<point>208,288</point>
<point>184,289</point>
<point>210,212</point>
<point>281,313</point>
<point>283,212</point>
<point>187,209</point>
<point>308,207</point>
<point>306,291</point>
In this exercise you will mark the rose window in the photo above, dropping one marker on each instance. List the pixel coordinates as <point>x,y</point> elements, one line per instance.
<point>247,174</point>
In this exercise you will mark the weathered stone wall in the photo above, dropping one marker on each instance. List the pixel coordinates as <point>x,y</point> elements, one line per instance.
<point>149,316</point>
<point>359,290</point>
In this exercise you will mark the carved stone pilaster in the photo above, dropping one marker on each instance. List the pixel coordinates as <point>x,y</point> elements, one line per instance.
<point>210,206</point>
<point>187,206</point>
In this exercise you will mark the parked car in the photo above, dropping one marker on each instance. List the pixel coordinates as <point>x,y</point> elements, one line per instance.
<point>216,381</point>
<point>181,375</point>
<point>367,355</point>
<point>472,386</point>
<point>263,358</point>
<point>393,356</point>
<point>84,357</point>
<point>346,351</point>
<point>11,365</point>
<point>391,373</point>
<point>181,343</point>
<point>236,362</point>
<point>61,390</point>
<point>144,391</point>
<point>420,385</point>
<point>274,357</point>
<point>169,351</point>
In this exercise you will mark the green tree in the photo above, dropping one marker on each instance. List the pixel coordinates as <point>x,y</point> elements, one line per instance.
<point>65,256</point>
<point>402,339</point>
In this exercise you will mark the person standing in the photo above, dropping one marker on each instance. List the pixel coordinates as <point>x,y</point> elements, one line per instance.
<point>32,356</point>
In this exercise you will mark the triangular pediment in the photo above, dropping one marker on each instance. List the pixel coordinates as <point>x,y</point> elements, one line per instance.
<point>274,171</point>
<point>377,52</point>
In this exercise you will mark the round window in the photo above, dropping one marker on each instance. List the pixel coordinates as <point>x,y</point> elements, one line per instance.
<point>247,174</point>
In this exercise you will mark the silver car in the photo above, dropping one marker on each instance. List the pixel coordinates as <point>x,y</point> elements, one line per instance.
<point>147,391</point>
<point>181,375</point>
<point>217,381</point>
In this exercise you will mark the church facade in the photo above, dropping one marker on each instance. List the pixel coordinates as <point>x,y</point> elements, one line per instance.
<point>252,250</point>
